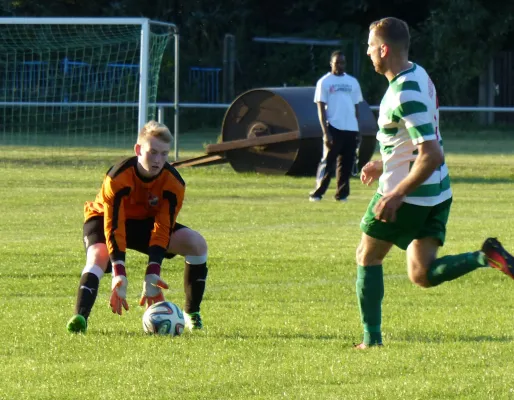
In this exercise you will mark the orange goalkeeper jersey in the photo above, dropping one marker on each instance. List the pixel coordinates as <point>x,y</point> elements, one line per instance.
<point>126,194</point>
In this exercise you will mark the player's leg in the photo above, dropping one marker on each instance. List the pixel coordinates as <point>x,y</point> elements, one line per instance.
<point>97,260</point>
<point>377,239</point>
<point>370,287</point>
<point>193,247</point>
<point>345,163</point>
<point>325,168</point>
<point>424,268</point>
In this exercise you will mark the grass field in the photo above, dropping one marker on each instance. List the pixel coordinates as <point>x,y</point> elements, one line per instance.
<point>280,307</point>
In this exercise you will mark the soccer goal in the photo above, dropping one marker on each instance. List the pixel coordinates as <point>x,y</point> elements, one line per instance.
<point>80,82</point>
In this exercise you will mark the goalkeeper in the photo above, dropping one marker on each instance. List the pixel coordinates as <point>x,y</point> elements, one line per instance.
<point>137,208</point>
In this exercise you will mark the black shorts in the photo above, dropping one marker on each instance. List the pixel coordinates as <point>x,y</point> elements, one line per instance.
<point>137,233</point>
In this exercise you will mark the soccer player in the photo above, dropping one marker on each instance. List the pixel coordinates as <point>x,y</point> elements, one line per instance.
<point>412,204</point>
<point>137,208</point>
<point>337,95</point>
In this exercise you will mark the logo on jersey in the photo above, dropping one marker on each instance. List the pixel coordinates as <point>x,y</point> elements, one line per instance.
<point>431,88</point>
<point>152,200</point>
<point>340,88</point>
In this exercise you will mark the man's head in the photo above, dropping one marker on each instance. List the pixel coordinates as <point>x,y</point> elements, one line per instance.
<point>388,43</point>
<point>152,148</point>
<point>337,62</point>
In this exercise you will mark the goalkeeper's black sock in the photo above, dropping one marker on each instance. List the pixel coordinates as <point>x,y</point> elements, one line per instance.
<point>86,296</point>
<point>195,276</point>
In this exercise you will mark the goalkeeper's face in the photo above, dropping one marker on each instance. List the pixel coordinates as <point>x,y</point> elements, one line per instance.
<point>152,155</point>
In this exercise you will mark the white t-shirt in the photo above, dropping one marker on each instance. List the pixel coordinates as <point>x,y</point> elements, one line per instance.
<point>340,93</point>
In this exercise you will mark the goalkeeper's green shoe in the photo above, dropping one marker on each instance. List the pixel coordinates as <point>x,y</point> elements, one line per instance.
<point>77,324</point>
<point>193,321</point>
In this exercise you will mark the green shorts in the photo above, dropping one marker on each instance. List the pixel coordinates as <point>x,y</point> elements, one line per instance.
<point>412,222</point>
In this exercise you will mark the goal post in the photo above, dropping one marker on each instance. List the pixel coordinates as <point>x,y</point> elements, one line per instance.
<point>80,82</point>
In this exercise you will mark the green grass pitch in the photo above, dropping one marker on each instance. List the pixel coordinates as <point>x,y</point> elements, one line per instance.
<point>280,307</point>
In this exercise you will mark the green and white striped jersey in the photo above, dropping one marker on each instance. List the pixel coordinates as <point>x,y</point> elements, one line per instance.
<point>409,115</point>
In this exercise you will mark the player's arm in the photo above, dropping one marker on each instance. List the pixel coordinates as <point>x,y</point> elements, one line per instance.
<point>415,114</point>
<point>371,172</point>
<point>418,119</point>
<point>115,237</point>
<point>172,199</point>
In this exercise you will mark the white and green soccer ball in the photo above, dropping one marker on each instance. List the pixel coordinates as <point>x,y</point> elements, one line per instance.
<point>164,318</point>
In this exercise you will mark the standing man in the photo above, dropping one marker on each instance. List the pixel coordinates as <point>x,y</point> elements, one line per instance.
<point>137,209</point>
<point>337,95</point>
<point>412,204</point>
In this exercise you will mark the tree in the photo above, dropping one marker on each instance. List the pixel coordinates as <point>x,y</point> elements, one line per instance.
<point>456,42</point>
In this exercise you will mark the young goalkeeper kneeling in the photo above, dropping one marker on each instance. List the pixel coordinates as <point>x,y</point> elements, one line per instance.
<point>137,208</point>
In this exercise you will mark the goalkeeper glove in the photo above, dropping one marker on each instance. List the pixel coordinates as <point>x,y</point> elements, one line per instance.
<point>119,290</point>
<point>152,286</point>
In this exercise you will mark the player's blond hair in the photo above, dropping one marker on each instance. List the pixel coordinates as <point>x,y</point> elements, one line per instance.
<point>393,32</point>
<point>154,129</point>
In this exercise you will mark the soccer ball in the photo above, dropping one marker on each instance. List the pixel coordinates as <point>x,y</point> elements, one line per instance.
<point>163,318</point>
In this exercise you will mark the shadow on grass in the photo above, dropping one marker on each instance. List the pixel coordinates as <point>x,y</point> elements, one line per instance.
<point>116,333</point>
<point>480,179</point>
<point>275,335</point>
<point>59,161</point>
<point>423,338</point>
<point>40,275</point>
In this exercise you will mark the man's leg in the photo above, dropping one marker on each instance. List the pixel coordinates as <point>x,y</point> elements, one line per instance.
<point>426,270</point>
<point>345,163</point>
<point>96,264</point>
<point>193,247</point>
<point>326,167</point>
<point>370,287</point>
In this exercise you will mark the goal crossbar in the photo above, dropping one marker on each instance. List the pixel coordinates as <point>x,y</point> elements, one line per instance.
<point>82,21</point>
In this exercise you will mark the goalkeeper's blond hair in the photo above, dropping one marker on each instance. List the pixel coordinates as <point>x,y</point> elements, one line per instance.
<point>154,129</point>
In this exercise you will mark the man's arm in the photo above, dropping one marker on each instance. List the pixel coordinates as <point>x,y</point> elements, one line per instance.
<point>429,158</point>
<point>322,115</point>
<point>371,172</point>
<point>171,203</point>
<point>114,222</point>
<point>357,98</point>
<point>115,237</point>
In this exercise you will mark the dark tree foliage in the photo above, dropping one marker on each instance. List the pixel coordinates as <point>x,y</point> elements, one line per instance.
<point>453,40</point>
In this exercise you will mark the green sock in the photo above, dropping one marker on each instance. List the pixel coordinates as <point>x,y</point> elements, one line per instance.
<point>451,267</point>
<point>370,292</point>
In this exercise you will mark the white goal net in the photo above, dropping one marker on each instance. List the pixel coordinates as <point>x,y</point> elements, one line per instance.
<point>78,82</point>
